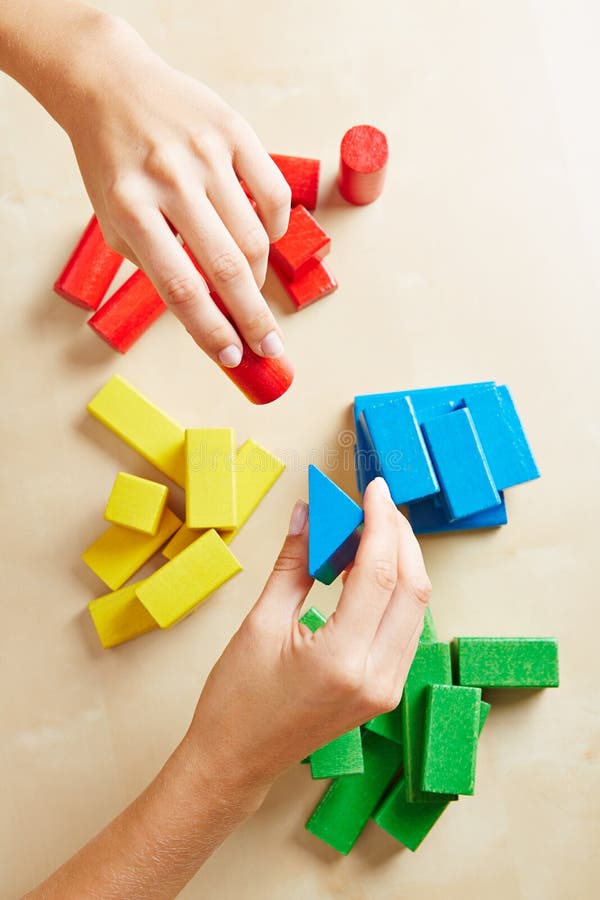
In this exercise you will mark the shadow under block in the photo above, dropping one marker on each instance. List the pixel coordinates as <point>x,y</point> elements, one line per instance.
<point>136,503</point>
<point>142,425</point>
<point>181,584</point>
<point>460,464</point>
<point>119,552</point>
<point>342,756</point>
<point>403,459</point>
<point>128,313</point>
<point>350,800</point>
<point>303,242</point>
<point>451,733</point>
<point>497,662</point>
<point>119,616</point>
<point>210,495</point>
<point>431,665</point>
<point>89,270</point>
<point>427,517</point>
<point>314,284</point>
<point>334,527</point>
<point>302,175</point>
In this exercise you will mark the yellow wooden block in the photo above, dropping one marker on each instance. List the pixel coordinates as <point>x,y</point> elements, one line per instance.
<point>174,590</point>
<point>142,425</point>
<point>119,617</point>
<point>210,500</point>
<point>182,538</point>
<point>136,503</point>
<point>119,552</point>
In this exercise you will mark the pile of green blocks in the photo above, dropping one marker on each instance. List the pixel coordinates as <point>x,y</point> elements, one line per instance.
<point>405,767</point>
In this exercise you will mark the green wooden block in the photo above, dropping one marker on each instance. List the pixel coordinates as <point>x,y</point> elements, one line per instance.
<point>387,725</point>
<point>342,756</point>
<point>429,632</point>
<point>495,662</point>
<point>410,823</point>
<point>451,732</point>
<point>431,665</point>
<point>350,800</point>
<point>313,619</point>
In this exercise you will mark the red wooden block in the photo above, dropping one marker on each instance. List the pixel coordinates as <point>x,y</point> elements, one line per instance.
<point>363,161</point>
<point>315,283</point>
<point>303,242</point>
<point>302,175</point>
<point>90,269</point>
<point>128,313</point>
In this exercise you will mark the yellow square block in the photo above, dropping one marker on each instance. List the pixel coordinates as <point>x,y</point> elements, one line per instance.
<point>182,538</point>
<point>119,617</point>
<point>174,590</point>
<point>142,425</point>
<point>136,503</point>
<point>210,500</point>
<point>119,552</point>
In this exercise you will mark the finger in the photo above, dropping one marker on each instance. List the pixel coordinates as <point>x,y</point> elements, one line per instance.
<point>228,272</point>
<point>182,287</point>
<point>374,575</point>
<point>232,204</point>
<point>265,182</point>
<point>289,583</point>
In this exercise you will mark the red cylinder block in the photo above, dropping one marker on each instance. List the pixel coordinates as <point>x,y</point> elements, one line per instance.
<point>90,269</point>
<point>363,161</point>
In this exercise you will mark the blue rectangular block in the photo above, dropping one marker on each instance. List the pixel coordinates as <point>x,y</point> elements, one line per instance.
<point>428,517</point>
<point>460,464</point>
<point>365,459</point>
<point>423,398</point>
<point>394,434</point>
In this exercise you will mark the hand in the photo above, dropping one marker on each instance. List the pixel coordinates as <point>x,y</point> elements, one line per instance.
<point>279,692</point>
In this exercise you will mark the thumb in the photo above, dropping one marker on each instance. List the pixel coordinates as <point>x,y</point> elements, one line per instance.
<point>289,582</point>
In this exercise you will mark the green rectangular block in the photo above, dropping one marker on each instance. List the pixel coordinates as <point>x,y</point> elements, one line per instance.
<point>429,632</point>
<point>387,725</point>
<point>431,665</point>
<point>451,732</point>
<point>342,756</point>
<point>496,662</point>
<point>313,619</point>
<point>350,800</point>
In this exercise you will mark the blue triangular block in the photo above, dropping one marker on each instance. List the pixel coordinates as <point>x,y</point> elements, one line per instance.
<point>334,522</point>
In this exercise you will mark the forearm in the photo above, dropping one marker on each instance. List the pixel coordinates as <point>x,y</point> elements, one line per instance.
<point>153,848</point>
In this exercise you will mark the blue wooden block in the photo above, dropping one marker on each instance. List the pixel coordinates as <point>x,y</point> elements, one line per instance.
<point>334,527</point>
<point>394,434</point>
<point>502,437</point>
<point>427,517</point>
<point>365,459</point>
<point>460,464</point>
<point>423,399</point>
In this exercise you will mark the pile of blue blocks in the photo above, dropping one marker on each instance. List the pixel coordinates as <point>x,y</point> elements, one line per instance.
<point>446,453</point>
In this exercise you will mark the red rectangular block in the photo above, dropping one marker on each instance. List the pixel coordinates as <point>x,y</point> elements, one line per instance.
<point>90,269</point>
<point>302,175</point>
<point>303,242</point>
<point>315,283</point>
<point>128,313</point>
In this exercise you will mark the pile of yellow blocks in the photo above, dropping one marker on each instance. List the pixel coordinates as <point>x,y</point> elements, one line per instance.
<point>222,486</point>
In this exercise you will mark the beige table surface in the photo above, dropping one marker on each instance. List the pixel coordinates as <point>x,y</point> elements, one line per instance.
<point>480,261</point>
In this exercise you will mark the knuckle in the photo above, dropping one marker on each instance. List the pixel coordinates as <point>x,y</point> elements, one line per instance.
<point>161,165</point>
<point>255,244</point>
<point>121,202</point>
<point>421,588</point>
<point>384,574</point>
<point>228,267</point>
<point>260,322</point>
<point>180,291</point>
<point>278,196</point>
<point>288,562</point>
<point>346,677</point>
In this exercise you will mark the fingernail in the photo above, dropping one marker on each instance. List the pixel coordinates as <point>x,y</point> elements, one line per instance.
<point>298,518</point>
<point>271,345</point>
<point>383,488</point>
<point>230,357</point>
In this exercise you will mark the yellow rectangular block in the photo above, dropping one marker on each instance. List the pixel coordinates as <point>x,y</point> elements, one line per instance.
<point>142,425</point>
<point>210,500</point>
<point>136,503</point>
<point>174,590</point>
<point>119,552</point>
<point>119,616</point>
<point>182,538</point>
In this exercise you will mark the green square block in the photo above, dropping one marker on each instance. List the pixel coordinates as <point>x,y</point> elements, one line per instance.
<point>496,662</point>
<point>342,756</point>
<point>451,732</point>
<point>429,632</point>
<point>387,725</point>
<point>313,619</point>
<point>349,801</point>
<point>431,665</point>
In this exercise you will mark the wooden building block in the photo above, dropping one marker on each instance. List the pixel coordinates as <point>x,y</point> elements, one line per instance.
<point>90,269</point>
<point>428,517</point>
<point>350,800</point>
<point>302,175</point>
<point>342,756</point>
<point>451,733</point>
<point>210,491</point>
<point>313,619</point>
<point>314,284</point>
<point>182,538</point>
<point>119,552</point>
<point>429,633</point>
<point>128,313</point>
<point>136,503</point>
<point>119,616</point>
<point>388,725</point>
<point>334,527</point>
<point>142,425</point>
<point>303,242</point>
<point>363,162</point>
<point>505,662</point>
<point>181,584</point>
<point>460,464</point>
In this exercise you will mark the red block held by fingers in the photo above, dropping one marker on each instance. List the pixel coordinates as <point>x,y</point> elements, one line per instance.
<point>303,242</point>
<point>302,175</point>
<point>363,160</point>
<point>315,283</point>
<point>128,313</point>
<point>90,269</point>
